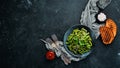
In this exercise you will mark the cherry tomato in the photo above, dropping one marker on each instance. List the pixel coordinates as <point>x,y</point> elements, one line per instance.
<point>50,55</point>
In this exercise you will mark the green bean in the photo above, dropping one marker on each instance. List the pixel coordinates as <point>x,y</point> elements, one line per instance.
<point>79,41</point>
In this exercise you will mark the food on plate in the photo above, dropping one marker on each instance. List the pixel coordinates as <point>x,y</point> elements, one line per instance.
<point>112,25</point>
<point>50,55</point>
<point>106,34</point>
<point>79,41</point>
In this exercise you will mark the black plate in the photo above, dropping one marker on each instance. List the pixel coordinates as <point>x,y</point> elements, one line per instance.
<point>68,32</point>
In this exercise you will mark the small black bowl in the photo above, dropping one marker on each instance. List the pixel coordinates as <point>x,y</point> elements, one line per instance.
<point>69,31</point>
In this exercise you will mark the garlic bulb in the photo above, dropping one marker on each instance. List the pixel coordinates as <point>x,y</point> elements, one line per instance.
<point>101,17</point>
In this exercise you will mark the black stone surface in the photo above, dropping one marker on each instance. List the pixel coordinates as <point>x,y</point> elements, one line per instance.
<point>24,22</point>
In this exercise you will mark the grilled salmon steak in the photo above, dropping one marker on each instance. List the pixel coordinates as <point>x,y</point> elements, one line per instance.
<point>112,25</point>
<point>106,34</point>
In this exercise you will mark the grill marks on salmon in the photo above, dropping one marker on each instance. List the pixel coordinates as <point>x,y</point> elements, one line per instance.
<point>106,34</point>
<point>112,25</point>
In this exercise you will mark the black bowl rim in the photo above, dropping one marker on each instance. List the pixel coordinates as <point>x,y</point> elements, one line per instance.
<point>71,29</point>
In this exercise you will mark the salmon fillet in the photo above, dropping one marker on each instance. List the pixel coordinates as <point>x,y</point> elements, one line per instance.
<point>112,25</point>
<point>106,34</point>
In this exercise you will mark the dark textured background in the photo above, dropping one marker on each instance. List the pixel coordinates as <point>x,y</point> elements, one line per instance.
<point>24,22</point>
